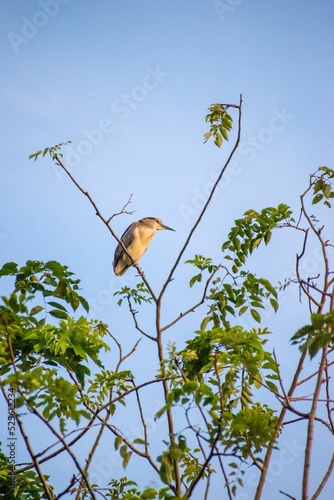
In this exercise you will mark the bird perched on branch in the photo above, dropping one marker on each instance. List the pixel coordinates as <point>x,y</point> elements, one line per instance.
<point>136,240</point>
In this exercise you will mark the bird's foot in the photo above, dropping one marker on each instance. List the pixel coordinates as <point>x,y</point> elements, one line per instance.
<point>140,272</point>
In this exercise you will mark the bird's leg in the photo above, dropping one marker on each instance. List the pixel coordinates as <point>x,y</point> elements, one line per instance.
<point>140,272</point>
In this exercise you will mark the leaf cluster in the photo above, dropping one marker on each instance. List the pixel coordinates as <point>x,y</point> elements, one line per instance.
<point>123,450</point>
<point>252,429</point>
<point>232,295</point>
<point>124,489</point>
<point>177,452</point>
<point>44,388</point>
<point>218,372</point>
<point>253,229</point>
<point>315,336</point>
<point>139,294</point>
<point>51,279</point>
<point>203,264</point>
<point>245,293</point>
<point>220,124</point>
<point>37,351</point>
<point>322,182</point>
<point>53,151</point>
<point>106,382</point>
<point>27,481</point>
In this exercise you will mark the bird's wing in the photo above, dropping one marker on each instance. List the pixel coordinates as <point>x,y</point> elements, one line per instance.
<point>126,238</point>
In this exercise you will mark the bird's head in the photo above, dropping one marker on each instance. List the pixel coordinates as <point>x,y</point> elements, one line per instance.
<point>154,223</point>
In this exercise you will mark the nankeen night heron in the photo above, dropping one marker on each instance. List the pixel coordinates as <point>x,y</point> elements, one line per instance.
<point>136,240</point>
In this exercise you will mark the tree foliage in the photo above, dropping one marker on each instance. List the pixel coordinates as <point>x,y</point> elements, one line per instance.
<point>220,381</point>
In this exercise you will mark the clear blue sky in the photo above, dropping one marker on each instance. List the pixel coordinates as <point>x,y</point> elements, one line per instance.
<point>129,83</point>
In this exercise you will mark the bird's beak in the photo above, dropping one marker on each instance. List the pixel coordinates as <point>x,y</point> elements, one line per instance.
<point>166,227</point>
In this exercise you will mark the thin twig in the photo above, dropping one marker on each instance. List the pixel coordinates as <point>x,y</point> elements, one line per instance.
<point>123,211</point>
<point>310,428</point>
<point>206,493</point>
<point>192,309</point>
<point>324,479</point>
<point>277,428</point>
<point>60,450</point>
<point>142,418</point>
<point>328,400</point>
<point>68,449</point>
<point>108,415</point>
<point>68,489</point>
<point>227,484</point>
<point>90,457</point>
<point>204,466</point>
<point>133,314</point>
<point>287,495</point>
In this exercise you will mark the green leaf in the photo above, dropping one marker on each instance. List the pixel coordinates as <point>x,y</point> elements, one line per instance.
<point>257,381</point>
<point>56,268</point>
<point>224,133</point>
<point>35,155</point>
<point>193,280</point>
<point>123,450</point>
<point>205,323</point>
<point>267,237</point>
<point>256,315</point>
<point>126,459</point>
<point>182,442</point>
<point>327,190</point>
<point>36,310</point>
<point>139,441</point>
<point>149,494</point>
<point>58,314</point>
<point>274,304</point>
<point>233,465</point>
<point>57,305</point>
<point>242,310</point>
<point>74,300</point>
<point>175,452</point>
<point>318,185</point>
<point>9,268</point>
<point>218,140</point>
<point>166,471</point>
<point>272,386</point>
<point>84,303</point>
<point>317,198</point>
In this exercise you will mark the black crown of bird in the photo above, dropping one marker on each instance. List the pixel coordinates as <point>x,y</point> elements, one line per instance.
<point>136,240</point>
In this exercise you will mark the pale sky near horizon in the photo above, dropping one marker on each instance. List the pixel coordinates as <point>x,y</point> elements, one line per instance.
<point>129,83</point>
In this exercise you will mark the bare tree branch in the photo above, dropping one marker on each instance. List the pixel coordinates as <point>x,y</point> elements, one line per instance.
<point>192,309</point>
<point>107,222</point>
<point>324,479</point>
<point>208,201</point>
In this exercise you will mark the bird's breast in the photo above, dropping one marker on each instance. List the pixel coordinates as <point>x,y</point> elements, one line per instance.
<point>139,244</point>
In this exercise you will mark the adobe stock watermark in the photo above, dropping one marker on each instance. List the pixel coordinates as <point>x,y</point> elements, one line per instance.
<point>120,108</point>
<point>249,148</point>
<point>224,7</point>
<point>31,27</point>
